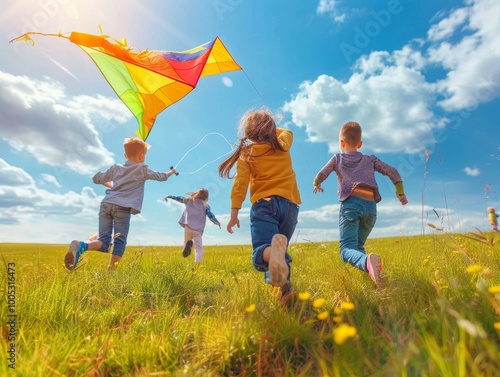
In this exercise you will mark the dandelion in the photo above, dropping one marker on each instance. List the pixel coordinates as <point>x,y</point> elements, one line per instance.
<point>304,296</point>
<point>338,311</point>
<point>318,303</point>
<point>496,325</point>
<point>337,318</point>
<point>473,268</point>
<point>250,308</point>
<point>343,332</point>
<point>494,290</point>
<point>323,315</point>
<point>347,305</point>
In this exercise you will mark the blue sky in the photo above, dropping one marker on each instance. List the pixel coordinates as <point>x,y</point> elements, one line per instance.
<point>417,75</point>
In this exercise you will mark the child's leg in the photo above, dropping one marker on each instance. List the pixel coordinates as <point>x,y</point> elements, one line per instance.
<point>355,224</point>
<point>121,223</point>
<point>188,242</point>
<point>113,262</point>
<point>268,218</point>
<point>198,247</point>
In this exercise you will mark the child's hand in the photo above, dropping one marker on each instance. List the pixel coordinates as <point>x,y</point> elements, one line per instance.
<point>402,198</point>
<point>318,189</point>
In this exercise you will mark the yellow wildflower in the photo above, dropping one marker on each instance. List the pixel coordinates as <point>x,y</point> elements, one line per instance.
<point>343,332</point>
<point>250,308</point>
<point>347,305</point>
<point>495,289</point>
<point>304,296</point>
<point>473,268</point>
<point>496,325</point>
<point>319,302</point>
<point>337,319</point>
<point>338,311</point>
<point>323,315</point>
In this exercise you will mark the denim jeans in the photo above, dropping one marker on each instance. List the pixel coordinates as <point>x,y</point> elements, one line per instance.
<point>356,220</point>
<point>267,218</point>
<point>112,215</point>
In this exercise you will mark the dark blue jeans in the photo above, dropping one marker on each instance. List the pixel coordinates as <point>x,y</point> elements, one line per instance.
<point>117,217</point>
<point>267,218</point>
<point>357,218</point>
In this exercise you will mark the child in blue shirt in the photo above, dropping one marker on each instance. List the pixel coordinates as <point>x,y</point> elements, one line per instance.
<point>123,198</point>
<point>193,220</point>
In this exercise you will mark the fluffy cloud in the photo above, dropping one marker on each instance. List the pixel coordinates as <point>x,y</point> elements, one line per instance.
<point>38,119</point>
<point>21,199</point>
<point>389,94</point>
<point>331,7</point>
<point>472,172</point>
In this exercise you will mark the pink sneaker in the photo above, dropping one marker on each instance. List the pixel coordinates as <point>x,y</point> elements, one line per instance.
<point>374,267</point>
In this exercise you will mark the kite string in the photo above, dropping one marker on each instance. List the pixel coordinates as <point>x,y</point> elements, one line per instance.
<point>265,104</point>
<point>198,144</point>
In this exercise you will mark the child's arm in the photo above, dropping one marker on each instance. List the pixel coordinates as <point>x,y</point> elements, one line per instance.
<point>317,186</point>
<point>323,174</point>
<point>212,217</point>
<point>179,199</point>
<point>400,193</point>
<point>233,220</point>
<point>172,171</point>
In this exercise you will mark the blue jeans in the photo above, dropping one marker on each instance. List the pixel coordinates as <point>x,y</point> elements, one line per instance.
<point>267,218</point>
<point>356,220</point>
<point>112,215</point>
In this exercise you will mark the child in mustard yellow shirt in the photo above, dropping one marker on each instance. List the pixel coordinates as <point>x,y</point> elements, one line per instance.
<point>263,164</point>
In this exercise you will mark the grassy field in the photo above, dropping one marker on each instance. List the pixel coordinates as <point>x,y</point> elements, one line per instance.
<point>160,314</point>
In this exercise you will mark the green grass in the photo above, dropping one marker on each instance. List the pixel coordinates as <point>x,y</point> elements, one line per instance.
<point>160,314</point>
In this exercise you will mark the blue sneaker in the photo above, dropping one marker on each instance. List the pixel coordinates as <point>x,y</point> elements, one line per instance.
<point>76,249</point>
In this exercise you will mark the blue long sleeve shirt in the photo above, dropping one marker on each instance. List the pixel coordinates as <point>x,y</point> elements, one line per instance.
<point>128,183</point>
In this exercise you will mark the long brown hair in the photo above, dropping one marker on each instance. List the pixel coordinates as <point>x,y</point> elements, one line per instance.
<point>258,127</point>
<point>201,194</point>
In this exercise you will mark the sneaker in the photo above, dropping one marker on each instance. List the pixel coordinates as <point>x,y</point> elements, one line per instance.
<point>187,249</point>
<point>76,249</point>
<point>374,267</point>
<point>278,269</point>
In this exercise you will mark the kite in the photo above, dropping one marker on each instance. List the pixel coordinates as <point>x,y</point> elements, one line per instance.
<point>151,80</point>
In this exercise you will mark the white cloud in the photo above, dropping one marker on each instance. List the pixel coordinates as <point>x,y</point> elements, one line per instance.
<point>389,94</point>
<point>330,7</point>
<point>448,26</point>
<point>472,172</point>
<point>473,71</point>
<point>38,119</point>
<point>392,106</point>
<point>21,199</point>
<point>50,179</point>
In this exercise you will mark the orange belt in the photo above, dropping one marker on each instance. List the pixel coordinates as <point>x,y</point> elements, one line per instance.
<point>363,193</point>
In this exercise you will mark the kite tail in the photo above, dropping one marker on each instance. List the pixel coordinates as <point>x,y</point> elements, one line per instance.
<point>26,37</point>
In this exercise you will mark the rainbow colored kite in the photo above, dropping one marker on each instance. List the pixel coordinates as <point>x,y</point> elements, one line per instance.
<point>149,81</point>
